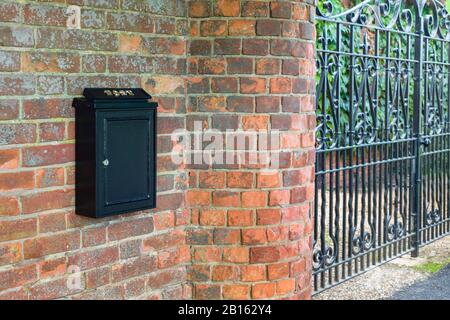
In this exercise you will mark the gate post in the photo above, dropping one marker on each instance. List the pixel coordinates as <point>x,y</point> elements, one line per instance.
<point>417,101</point>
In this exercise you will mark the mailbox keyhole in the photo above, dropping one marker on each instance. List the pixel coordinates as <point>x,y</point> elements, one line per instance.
<point>106,162</point>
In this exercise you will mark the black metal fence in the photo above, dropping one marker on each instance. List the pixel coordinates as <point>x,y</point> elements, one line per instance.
<point>383,134</point>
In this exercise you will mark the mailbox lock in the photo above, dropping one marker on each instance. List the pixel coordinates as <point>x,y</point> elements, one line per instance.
<point>106,162</point>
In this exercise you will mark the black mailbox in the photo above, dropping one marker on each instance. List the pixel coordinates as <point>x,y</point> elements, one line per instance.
<point>115,152</point>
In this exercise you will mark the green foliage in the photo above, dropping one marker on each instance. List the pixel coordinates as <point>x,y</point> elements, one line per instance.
<point>432,267</point>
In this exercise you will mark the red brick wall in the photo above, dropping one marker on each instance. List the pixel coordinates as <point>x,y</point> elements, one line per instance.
<point>251,66</point>
<point>228,63</point>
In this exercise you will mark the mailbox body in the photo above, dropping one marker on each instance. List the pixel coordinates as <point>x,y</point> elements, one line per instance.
<point>115,154</point>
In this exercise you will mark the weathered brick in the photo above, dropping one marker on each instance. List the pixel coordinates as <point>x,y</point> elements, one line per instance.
<point>9,159</point>
<point>47,155</point>
<point>239,65</point>
<point>9,109</point>
<point>9,61</point>
<point>131,22</point>
<point>14,85</point>
<point>9,12</point>
<point>213,28</point>
<point>17,277</point>
<point>16,36</point>
<point>255,47</point>
<point>255,9</point>
<point>121,230</point>
<point>42,246</point>
<point>44,15</point>
<point>16,180</point>
<point>10,253</point>
<point>227,46</point>
<point>242,28</point>
<point>94,258</point>
<point>17,133</point>
<point>47,200</point>
<point>18,229</point>
<point>199,9</point>
<point>47,108</point>
<point>52,131</point>
<point>9,206</point>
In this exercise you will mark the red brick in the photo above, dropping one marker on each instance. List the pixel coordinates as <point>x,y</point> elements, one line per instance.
<point>207,254</point>
<point>53,289</point>
<point>224,273</point>
<point>268,180</point>
<point>9,206</point>
<point>280,10</point>
<point>211,179</point>
<point>18,229</point>
<point>47,108</point>
<point>253,273</point>
<point>255,122</point>
<point>267,104</point>
<point>227,46</point>
<point>98,277</point>
<point>9,109</point>
<point>48,155</point>
<point>240,218</point>
<point>226,199</point>
<point>227,8</point>
<point>268,66</point>
<point>253,85</point>
<point>254,236</point>
<point>285,286</point>
<point>268,28</point>
<point>173,257</point>
<point>239,179</point>
<point>52,222</point>
<point>213,28</point>
<point>238,65</point>
<point>133,268</point>
<point>268,216</point>
<point>47,200</point>
<point>12,133</point>
<point>242,28</point>
<point>39,61</point>
<point>163,241</point>
<point>263,290</point>
<point>255,9</point>
<point>52,268</point>
<point>236,292</point>
<point>165,278</point>
<point>240,104</point>
<point>236,255</point>
<point>199,9</point>
<point>226,236</point>
<point>17,180</point>
<point>94,236</point>
<point>265,254</point>
<point>278,271</point>
<point>10,253</point>
<point>255,47</point>
<point>49,177</point>
<point>9,61</point>
<point>254,199</point>
<point>17,277</point>
<point>131,228</point>
<point>279,197</point>
<point>212,217</point>
<point>280,85</point>
<point>9,12</point>
<point>198,198</point>
<point>44,15</point>
<point>224,85</point>
<point>42,246</point>
<point>207,292</point>
<point>94,258</point>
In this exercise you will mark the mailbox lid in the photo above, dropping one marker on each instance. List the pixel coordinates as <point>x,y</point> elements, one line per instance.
<point>126,160</point>
<point>115,94</point>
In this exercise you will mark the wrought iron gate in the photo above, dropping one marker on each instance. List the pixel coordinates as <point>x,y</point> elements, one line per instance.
<point>383,134</point>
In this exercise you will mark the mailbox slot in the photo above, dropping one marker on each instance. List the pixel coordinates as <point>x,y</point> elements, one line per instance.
<point>115,153</point>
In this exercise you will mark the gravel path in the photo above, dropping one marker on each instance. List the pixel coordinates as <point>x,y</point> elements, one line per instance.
<point>436,287</point>
<point>403,278</point>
